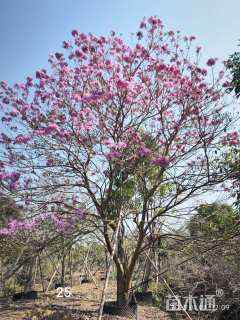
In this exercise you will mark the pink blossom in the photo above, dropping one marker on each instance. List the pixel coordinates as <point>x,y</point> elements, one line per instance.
<point>58,55</point>
<point>27,182</point>
<point>66,44</point>
<point>61,223</point>
<point>29,81</point>
<point>79,54</point>
<point>122,84</point>
<point>14,185</point>
<point>171,33</point>
<point>4,84</point>
<point>232,138</point>
<point>22,139</point>
<point>144,152</point>
<point>143,24</point>
<point>120,145</point>
<point>3,175</point>
<point>161,161</point>
<point>211,62</point>
<point>227,84</point>
<point>11,177</point>
<point>77,97</point>
<point>41,74</point>
<point>139,35</point>
<point>52,127</point>
<point>109,142</point>
<point>5,100</point>
<point>50,162</point>
<point>13,113</point>
<point>114,155</point>
<point>74,33</point>
<point>80,213</point>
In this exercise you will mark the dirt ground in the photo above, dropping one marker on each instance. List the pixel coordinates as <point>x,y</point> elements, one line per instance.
<point>82,305</point>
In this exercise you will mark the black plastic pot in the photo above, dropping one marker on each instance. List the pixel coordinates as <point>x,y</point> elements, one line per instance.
<point>58,285</point>
<point>86,281</point>
<point>30,295</point>
<point>112,308</point>
<point>145,297</point>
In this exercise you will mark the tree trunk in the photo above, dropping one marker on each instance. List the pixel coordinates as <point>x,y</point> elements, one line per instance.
<point>29,283</point>
<point>41,274</point>
<point>147,276</point>
<point>123,274</point>
<point>123,287</point>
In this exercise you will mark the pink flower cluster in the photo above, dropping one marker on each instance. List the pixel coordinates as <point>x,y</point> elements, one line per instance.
<point>22,139</point>
<point>211,62</point>
<point>231,138</point>
<point>161,161</point>
<point>62,224</point>
<point>144,151</point>
<point>17,226</point>
<point>104,100</point>
<point>11,178</point>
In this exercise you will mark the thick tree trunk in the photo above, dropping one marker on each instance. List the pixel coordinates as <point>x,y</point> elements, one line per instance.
<point>123,274</point>
<point>125,271</point>
<point>124,267</point>
<point>123,287</point>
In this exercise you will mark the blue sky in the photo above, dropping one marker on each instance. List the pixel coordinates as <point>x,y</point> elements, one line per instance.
<point>31,29</point>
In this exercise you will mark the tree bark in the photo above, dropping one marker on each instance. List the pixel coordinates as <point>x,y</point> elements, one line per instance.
<point>123,287</point>
<point>29,283</point>
<point>147,276</point>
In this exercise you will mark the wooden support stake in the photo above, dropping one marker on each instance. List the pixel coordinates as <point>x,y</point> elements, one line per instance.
<point>52,277</point>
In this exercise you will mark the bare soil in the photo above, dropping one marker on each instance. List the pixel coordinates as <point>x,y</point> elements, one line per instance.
<point>82,305</point>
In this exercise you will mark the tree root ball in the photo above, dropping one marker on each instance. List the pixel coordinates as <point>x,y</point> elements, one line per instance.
<point>144,297</point>
<point>30,295</point>
<point>112,308</point>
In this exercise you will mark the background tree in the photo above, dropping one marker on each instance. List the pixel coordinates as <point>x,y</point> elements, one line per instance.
<point>233,65</point>
<point>213,221</point>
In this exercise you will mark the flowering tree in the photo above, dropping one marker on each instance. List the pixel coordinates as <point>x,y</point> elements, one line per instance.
<point>23,239</point>
<point>126,129</point>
